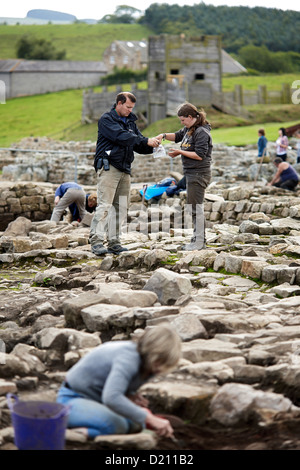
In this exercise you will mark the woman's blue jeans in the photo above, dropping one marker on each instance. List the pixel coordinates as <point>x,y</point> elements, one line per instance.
<point>90,414</point>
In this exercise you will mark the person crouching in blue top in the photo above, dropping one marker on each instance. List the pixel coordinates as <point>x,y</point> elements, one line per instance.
<point>262,146</point>
<point>101,388</point>
<point>71,195</point>
<point>285,177</point>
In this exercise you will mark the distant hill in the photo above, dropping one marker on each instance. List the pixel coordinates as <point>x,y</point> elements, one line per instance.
<point>51,15</point>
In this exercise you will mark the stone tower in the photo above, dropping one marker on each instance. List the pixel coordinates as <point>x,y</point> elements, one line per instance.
<point>182,69</point>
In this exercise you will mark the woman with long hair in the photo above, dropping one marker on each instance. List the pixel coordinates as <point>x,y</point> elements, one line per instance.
<point>195,150</point>
<point>101,388</point>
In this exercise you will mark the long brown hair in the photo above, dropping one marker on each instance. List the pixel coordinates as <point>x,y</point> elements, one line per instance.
<point>188,109</point>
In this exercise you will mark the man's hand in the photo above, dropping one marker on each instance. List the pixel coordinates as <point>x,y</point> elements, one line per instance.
<point>153,142</point>
<point>56,200</point>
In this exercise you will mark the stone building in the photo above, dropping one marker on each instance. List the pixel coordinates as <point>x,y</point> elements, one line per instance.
<point>134,55</point>
<point>179,69</point>
<point>182,69</point>
<point>126,54</point>
<point>32,77</point>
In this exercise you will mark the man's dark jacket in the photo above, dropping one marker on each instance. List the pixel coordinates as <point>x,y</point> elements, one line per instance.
<point>118,140</point>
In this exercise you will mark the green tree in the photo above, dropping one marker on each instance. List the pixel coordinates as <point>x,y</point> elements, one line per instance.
<point>238,26</point>
<point>263,60</point>
<point>30,48</point>
<point>122,14</point>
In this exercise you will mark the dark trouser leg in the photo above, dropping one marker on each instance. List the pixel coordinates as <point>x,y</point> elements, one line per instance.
<point>196,185</point>
<point>283,157</point>
<point>289,184</point>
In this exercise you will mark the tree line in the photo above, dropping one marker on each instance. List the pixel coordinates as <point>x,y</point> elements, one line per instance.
<point>238,26</point>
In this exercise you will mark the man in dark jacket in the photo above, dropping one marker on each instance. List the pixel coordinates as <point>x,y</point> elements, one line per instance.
<point>118,139</point>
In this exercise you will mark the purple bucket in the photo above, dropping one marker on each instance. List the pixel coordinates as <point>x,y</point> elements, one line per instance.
<point>38,425</point>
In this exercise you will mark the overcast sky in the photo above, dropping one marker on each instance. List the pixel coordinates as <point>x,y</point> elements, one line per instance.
<point>96,10</point>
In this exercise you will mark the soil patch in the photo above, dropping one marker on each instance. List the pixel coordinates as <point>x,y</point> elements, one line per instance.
<point>281,435</point>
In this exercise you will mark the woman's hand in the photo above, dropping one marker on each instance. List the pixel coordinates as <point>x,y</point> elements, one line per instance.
<point>161,426</point>
<point>185,153</point>
<point>159,137</point>
<point>174,152</point>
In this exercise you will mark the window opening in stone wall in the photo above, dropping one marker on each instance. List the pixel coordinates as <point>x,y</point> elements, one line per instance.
<point>199,76</point>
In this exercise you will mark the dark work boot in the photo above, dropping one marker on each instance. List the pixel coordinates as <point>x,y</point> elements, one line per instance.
<point>116,248</point>
<point>99,249</point>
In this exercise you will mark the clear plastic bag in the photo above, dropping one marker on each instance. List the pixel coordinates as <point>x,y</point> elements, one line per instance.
<point>159,151</point>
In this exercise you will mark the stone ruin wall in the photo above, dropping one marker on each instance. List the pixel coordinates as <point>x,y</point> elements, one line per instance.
<point>95,104</point>
<point>60,167</point>
<point>35,201</point>
<point>29,180</point>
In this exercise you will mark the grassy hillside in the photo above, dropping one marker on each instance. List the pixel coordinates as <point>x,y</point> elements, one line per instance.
<point>252,82</point>
<point>81,41</point>
<point>39,115</point>
<point>240,136</point>
<point>231,130</point>
<point>58,115</point>
<point>232,134</point>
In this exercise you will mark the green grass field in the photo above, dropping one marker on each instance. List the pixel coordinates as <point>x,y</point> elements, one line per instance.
<point>240,136</point>
<point>251,82</point>
<point>39,115</point>
<point>232,130</point>
<point>58,115</point>
<point>81,41</point>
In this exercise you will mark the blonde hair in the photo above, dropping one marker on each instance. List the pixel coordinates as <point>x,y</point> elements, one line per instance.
<point>159,345</point>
